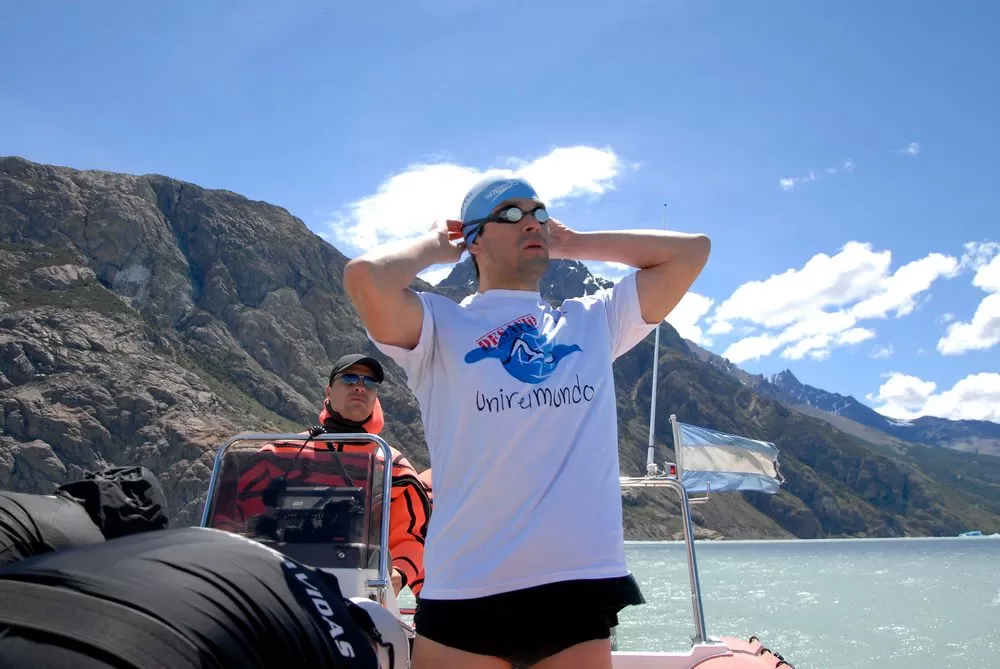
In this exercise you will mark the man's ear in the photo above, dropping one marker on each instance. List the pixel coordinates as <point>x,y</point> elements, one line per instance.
<point>475,247</point>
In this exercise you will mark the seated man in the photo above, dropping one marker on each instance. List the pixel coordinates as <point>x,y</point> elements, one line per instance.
<point>351,406</point>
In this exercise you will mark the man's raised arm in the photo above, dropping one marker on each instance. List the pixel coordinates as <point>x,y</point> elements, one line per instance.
<point>669,262</point>
<point>377,282</point>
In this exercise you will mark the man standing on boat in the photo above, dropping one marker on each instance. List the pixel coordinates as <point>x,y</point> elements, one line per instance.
<point>525,560</point>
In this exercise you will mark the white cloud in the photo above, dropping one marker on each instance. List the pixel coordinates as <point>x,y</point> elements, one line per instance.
<point>978,254</point>
<point>982,332</point>
<point>903,396</point>
<point>912,150</point>
<point>976,397</point>
<point>788,183</point>
<point>685,316</point>
<point>407,203</point>
<point>818,346</point>
<point>882,351</point>
<point>572,172</point>
<point>854,336</point>
<point>988,276</point>
<point>612,271</point>
<point>900,290</point>
<point>979,334</point>
<point>722,328</point>
<point>751,348</point>
<point>824,280</point>
<point>815,346</point>
<point>817,308</point>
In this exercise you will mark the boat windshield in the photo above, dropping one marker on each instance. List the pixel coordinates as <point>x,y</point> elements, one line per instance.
<point>318,500</point>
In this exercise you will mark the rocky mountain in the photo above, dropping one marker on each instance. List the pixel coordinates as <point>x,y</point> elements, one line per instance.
<point>958,453</point>
<point>974,436</point>
<point>144,319</point>
<point>785,385</point>
<point>724,365</point>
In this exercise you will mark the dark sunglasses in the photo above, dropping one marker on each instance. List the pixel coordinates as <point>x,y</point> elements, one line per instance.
<point>513,214</point>
<point>354,379</point>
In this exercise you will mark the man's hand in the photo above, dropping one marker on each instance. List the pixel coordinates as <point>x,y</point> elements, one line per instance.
<point>450,241</point>
<point>397,581</point>
<point>561,239</point>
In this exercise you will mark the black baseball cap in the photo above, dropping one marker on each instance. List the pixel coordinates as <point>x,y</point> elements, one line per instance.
<point>358,359</point>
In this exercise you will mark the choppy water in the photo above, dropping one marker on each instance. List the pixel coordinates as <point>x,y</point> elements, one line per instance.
<point>829,604</point>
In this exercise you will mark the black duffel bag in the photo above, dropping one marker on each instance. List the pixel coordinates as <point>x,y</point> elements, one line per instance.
<point>121,500</point>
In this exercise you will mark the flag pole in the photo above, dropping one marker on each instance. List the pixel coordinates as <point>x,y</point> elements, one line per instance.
<point>677,446</point>
<point>650,453</point>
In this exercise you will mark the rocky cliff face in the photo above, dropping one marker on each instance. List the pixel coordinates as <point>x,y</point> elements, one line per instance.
<point>143,320</point>
<point>88,388</point>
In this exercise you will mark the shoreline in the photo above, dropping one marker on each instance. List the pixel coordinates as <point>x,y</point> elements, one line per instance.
<point>680,542</point>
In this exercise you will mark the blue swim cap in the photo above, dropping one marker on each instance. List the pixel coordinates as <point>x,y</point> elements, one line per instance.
<point>487,194</point>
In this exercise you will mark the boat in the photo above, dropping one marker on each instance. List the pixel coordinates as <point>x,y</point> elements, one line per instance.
<point>342,527</point>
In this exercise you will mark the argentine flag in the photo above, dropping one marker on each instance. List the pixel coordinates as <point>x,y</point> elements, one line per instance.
<point>712,461</point>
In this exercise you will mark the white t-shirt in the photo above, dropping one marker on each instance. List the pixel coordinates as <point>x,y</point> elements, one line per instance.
<point>519,411</point>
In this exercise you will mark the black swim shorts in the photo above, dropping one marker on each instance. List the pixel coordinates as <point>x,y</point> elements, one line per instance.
<point>525,626</point>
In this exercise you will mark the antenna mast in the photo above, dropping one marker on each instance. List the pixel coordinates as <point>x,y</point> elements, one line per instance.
<point>650,459</point>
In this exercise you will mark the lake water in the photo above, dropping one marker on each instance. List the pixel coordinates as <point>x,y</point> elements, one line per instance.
<point>827,604</point>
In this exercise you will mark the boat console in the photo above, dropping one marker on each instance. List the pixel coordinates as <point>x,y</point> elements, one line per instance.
<point>322,501</point>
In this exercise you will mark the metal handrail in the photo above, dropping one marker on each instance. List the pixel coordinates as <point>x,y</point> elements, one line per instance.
<point>381,583</point>
<point>651,480</point>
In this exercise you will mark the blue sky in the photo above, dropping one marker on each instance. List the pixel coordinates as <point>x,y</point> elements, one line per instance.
<point>368,122</point>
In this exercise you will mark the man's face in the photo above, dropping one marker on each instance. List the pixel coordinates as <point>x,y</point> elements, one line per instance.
<point>353,392</point>
<point>518,249</point>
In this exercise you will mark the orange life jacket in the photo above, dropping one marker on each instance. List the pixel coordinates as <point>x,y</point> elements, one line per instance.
<point>425,478</point>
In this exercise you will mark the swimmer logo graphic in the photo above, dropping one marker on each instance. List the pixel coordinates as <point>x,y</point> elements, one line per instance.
<point>524,352</point>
